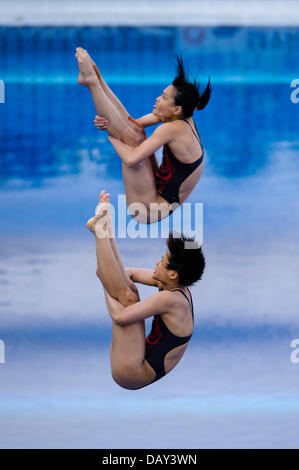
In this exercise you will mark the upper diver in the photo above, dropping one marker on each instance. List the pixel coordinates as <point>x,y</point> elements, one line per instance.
<point>169,185</point>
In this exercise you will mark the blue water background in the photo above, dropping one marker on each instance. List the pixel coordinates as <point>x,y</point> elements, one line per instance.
<point>236,385</point>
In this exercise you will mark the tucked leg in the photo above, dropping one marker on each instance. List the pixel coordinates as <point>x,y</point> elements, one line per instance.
<point>128,368</point>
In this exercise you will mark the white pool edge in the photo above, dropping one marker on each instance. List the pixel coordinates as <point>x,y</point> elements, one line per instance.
<point>149,13</point>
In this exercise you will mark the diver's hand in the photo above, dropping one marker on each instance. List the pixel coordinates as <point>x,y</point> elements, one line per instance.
<point>101,123</point>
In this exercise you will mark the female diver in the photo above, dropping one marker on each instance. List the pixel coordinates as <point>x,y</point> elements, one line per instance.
<point>147,185</point>
<point>137,361</point>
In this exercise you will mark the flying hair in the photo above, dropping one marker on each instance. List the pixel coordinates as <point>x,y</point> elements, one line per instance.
<point>187,93</point>
<point>188,263</point>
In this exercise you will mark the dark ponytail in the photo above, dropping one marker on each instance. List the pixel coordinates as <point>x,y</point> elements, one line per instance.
<point>187,94</point>
<point>205,97</point>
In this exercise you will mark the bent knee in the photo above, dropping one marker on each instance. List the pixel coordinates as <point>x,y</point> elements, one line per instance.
<point>136,137</point>
<point>127,297</point>
<point>134,290</point>
<point>122,383</point>
<point>125,382</point>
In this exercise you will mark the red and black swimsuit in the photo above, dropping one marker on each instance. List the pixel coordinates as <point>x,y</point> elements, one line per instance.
<point>160,341</point>
<point>172,172</point>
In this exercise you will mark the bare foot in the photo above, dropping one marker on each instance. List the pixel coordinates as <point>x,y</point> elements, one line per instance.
<point>104,203</point>
<point>87,75</point>
<point>101,224</point>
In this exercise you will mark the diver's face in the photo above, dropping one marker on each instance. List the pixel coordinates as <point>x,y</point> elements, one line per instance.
<point>161,271</point>
<point>165,107</point>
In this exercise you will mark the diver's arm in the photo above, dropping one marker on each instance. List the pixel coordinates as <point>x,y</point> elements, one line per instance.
<point>154,305</point>
<point>131,156</point>
<point>148,120</point>
<point>142,276</point>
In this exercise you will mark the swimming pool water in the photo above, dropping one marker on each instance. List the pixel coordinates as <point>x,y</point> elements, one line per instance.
<point>236,385</point>
<point>47,116</point>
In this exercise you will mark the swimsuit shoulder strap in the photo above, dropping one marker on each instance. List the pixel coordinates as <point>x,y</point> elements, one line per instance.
<point>196,135</point>
<point>192,310</point>
<point>190,303</point>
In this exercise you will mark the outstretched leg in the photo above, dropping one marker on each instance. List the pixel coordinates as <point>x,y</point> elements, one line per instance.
<point>111,274</point>
<point>139,181</point>
<point>109,93</point>
<point>125,276</point>
<point>127,349</point>
<point>124,113</point>
<point>120,126</point>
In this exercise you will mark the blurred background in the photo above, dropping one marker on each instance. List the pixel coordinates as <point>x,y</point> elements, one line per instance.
<point>236,386</point>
